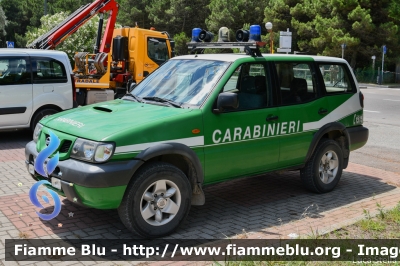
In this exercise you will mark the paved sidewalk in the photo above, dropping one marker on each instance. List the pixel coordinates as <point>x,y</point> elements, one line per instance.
<point>270,206</point>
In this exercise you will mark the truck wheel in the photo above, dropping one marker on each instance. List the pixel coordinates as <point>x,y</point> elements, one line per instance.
<point>324,169</point>
<point>41,114</point>
<point>156,201</point>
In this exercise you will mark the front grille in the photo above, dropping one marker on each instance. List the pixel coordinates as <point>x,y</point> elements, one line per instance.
<point>66,144</point>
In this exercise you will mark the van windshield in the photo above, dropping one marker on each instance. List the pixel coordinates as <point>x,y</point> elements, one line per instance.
<point>185,82</point>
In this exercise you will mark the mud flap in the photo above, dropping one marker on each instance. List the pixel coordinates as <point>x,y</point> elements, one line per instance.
<point>198,197</point>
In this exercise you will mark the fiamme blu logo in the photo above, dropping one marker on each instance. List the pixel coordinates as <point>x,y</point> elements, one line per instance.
<point>45,170</point>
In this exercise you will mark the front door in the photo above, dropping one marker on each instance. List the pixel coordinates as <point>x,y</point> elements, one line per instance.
<point>238,141</point>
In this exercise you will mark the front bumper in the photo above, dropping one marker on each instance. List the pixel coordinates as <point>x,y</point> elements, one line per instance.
<point>358,137</point>
<point>100,186</point>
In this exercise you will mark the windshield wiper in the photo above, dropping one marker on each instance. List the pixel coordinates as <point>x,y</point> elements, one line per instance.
<point>136,98</point>
<point>161,100</point>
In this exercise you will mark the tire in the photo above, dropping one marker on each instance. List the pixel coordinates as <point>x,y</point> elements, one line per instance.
<point>41,114</point>
<point>147,210</point>
<point>322,172</point>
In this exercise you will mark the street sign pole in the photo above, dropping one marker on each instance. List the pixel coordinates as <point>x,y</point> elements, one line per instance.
<point>373,66</point>
<point>383,60</point>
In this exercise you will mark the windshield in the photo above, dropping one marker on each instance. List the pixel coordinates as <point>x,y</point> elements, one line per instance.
<point>185,82</point>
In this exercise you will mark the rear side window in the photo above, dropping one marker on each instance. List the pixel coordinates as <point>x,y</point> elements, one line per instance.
<point>297,83</point>
<point>336,78</point>
<point>48,70</point>
<point>15,70</point>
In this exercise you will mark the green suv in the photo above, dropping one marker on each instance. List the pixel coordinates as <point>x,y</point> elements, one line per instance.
<point>202,119</point>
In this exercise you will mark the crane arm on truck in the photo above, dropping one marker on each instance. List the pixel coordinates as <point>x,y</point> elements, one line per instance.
<point>78,18</point>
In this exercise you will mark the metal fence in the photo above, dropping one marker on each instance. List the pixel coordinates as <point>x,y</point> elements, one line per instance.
<point>369,76</point>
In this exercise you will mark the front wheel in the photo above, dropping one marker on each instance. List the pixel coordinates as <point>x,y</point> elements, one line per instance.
<point>156,201</point>
<point>41,114</point>
<point>324,169</point>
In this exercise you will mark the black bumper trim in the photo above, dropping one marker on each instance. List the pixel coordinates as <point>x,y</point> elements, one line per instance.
<point>91,175</point>
<point>358,134</point>
<point>70,193</point>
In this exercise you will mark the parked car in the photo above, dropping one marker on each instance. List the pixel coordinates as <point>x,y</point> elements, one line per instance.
<point>201,119</point>
<point>33,85</point>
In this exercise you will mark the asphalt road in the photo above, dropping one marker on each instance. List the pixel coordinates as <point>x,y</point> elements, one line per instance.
<point>382,118</point>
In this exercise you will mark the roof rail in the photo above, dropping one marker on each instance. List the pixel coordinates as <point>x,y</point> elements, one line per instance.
<point>251,48</point>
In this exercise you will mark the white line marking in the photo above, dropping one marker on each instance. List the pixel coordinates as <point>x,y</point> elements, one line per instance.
<point>391,100</point>
<point>371,111</point>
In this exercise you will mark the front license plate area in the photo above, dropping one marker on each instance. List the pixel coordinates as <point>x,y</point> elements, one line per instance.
<point>56,183</point>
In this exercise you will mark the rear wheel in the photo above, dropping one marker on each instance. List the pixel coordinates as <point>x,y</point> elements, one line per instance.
<point>156,201</point>
<point>41,114</point>
<point>324,169</point>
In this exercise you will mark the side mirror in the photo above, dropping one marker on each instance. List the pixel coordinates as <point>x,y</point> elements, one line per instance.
<point>226,100</point>
<point>132,86</point>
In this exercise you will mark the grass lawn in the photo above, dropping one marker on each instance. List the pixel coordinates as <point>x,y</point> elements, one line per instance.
<point>386,225</point>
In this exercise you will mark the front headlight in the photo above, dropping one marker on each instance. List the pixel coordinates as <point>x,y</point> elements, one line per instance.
<point>92,151</point>
<point>36,132</point>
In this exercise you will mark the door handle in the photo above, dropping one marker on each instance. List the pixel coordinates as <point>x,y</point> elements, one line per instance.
<point>322,111</point>
<point>272,117</point>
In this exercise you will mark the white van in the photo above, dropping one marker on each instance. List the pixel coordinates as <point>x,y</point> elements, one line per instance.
<point>33,84</point>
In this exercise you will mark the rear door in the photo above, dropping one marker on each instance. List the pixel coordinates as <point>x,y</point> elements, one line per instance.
<point>50,82</point>
<point>341,92</point>
<point>302,106</point>
<point>15,90</point>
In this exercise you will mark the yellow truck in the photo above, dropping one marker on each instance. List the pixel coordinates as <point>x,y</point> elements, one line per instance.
<point>123,57</point>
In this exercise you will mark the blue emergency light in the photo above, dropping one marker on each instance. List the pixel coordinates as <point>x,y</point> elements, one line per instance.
<point>255,33</point>
<point>195,35</point>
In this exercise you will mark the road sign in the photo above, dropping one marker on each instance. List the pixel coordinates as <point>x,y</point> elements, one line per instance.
<point>384,49</point>
<point>10,44</point>
<point>285,42</point>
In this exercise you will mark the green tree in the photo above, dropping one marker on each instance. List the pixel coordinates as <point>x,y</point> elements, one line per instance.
<point>181,41</point>
<point>132,12</point>
<point>177,16</point>
<point>320,27</point>
<point>234,14</point>
<point>3,24</point>
<point>18,20</point>
<point>24,15</point>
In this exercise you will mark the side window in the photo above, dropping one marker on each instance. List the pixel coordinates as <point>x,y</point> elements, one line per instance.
<point>250,83</point>
<point>157,50</point>
<point>336,79</point>
<point>297,83</point>
<point>15,70</point>
<point>49,70</point>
